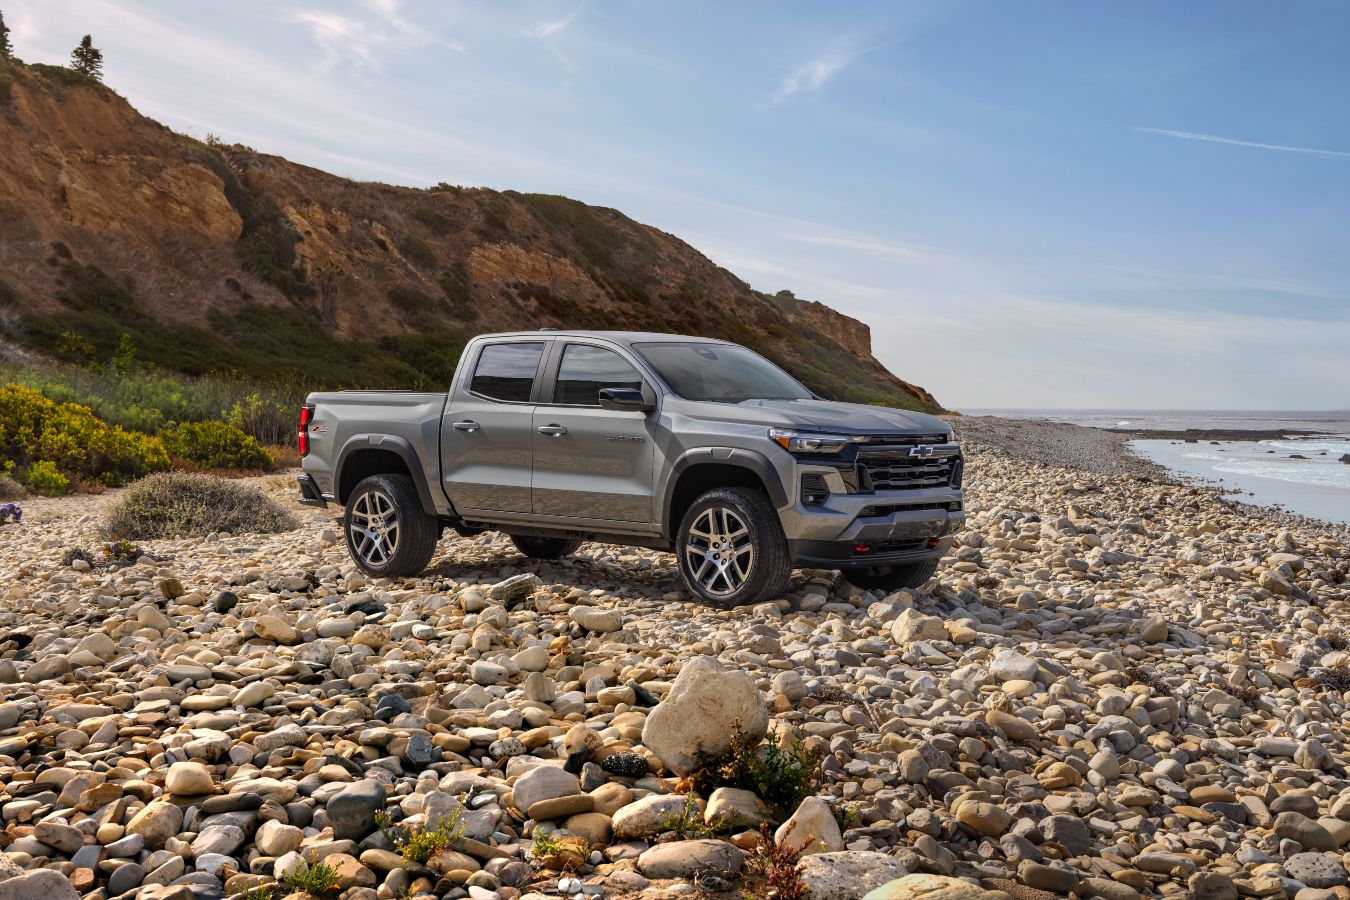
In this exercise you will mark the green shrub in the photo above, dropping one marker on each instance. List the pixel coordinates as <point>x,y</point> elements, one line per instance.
<point>216,445</point>
<point>419,844</point>
<point>781,776</point>
<point>318,880</point>
<point>55,442</point>
<point>181,504</point>
<point>43,477</point>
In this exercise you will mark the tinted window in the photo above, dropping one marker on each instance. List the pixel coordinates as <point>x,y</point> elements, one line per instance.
<point>723,372</point>
<point>586,369</point>
<point>506,371</point>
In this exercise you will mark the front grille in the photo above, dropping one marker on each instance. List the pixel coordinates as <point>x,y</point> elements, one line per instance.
<point>901,472</point>
<point>904,440</point>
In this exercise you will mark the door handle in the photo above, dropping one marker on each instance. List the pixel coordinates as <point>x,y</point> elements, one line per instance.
<point>466,425</point>
<point>552,430</point>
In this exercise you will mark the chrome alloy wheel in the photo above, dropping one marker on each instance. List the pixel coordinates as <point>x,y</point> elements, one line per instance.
<point>373,527</point>
<point>718,551</point>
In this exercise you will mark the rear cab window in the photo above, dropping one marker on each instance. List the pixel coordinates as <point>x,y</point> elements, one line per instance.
<point>507,371</point>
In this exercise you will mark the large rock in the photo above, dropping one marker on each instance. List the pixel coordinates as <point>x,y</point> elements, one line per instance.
<point>41,884</point>
<point>351,811</point>
<point>850,874</point>
<point>705,706</point>
<point>648,816</point>
<point>736,809</point>
<point>1298,827</point>
<point>811,829</point>
<point>543,783</point>
<point>928,887</point>
<point>913,625</point>
<point>189,779</point>
<point>1316,870</point>
<point>158,822</point>
<point>1009,665</point>
<point>680,859</point>
<point>594,618</point>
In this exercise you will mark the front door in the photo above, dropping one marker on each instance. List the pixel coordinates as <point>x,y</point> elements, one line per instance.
<point>592,463</point>
<point>487,434</point>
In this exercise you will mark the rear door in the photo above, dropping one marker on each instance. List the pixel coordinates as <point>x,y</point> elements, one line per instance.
<point>591,463</point>
<point>487,431</point>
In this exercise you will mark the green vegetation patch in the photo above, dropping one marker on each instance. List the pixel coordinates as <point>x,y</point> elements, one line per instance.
<point>50,445</point>
<point>216,445</point>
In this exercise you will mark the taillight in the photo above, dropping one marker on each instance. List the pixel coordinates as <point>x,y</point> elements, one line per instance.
<point>302,434</point>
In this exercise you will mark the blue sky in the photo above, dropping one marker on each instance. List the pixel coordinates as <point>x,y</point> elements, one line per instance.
<point>1031,203</point>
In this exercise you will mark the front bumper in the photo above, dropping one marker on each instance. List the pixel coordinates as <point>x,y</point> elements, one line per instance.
<point>877,529</point>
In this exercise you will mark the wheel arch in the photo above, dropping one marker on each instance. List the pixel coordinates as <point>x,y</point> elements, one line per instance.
<point>709,468</point>
<point>365,455</point>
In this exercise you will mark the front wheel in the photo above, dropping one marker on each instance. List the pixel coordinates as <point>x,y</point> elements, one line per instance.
<point>892,578</point>
<point>545,547</point>
<point>731,547</point>
<point>388,534</point>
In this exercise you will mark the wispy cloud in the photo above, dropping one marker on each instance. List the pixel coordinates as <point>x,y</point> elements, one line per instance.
<point>813,75</point>
<point>1234,142</point>
<point>390,12</point>
<point>547,29</point>
<point>344,38</point>
<point>339,37</point>
<point>869,246</point>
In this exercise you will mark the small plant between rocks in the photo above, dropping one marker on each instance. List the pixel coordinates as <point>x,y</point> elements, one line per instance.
<point>776,862</point>
<point>180,504</point>
<point>417,843</point>
<point>318,880</point>
<point>781,776</point>
<point>688,823</point>
<point>1335,678</point>
<point>10,512</point>
<point>554,852</point>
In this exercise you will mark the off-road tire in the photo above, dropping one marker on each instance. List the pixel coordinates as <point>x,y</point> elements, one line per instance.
<point>545,547</point>
<point>766,568</point>
<point>893,578</point>
<point>417,532</point>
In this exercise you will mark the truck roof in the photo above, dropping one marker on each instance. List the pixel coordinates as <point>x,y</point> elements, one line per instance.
<point>622,337</point>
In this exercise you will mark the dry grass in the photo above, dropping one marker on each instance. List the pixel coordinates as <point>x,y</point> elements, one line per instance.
<point>179,504</point>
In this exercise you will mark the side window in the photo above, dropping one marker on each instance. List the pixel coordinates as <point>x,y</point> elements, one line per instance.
<point>506,371</point>
<point>586,369</point>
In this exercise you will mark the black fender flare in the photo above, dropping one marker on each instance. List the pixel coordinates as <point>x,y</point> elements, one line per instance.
<point>389,443</point>
<point>750,460</point>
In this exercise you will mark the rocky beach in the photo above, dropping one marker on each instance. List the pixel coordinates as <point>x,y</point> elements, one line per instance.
<point>1119,686</point>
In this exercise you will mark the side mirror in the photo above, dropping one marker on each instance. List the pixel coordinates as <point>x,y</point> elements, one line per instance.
<point>625,400</point>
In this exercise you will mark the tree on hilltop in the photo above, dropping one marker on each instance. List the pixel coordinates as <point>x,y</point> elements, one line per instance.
<point>6,49</point>
<point>87,59</point>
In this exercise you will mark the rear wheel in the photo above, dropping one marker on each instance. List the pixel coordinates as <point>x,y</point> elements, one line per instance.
<point>545,547</point>
<point>731,547</point>
<point>387,532</point>
<point>893,578</point>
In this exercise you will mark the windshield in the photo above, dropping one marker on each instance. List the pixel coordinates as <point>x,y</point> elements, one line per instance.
<point>724,373</point>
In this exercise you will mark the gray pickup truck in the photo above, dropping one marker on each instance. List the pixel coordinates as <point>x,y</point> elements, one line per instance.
<point>692,445</point>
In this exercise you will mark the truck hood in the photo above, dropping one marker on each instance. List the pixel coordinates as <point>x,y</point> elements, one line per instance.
<point>828,415</point>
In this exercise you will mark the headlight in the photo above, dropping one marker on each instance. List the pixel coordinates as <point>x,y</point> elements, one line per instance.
<point>793,442</point>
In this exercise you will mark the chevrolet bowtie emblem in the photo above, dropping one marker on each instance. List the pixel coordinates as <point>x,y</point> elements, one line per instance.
<point>923,452</point>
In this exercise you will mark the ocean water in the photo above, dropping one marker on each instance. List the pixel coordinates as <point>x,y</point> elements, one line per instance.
<point>1265,472</point>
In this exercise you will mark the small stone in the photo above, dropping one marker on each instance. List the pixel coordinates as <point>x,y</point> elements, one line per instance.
<point>1154,630</point>
<point>912,625</point>
<point>811,829</point>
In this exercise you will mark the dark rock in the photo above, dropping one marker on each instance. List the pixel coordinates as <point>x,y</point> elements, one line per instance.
<point>351,811</point>
<point>224,601</point>
<point>1316,870</point>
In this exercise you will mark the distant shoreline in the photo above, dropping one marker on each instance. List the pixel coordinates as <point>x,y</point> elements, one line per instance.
<point>1213,434</point>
